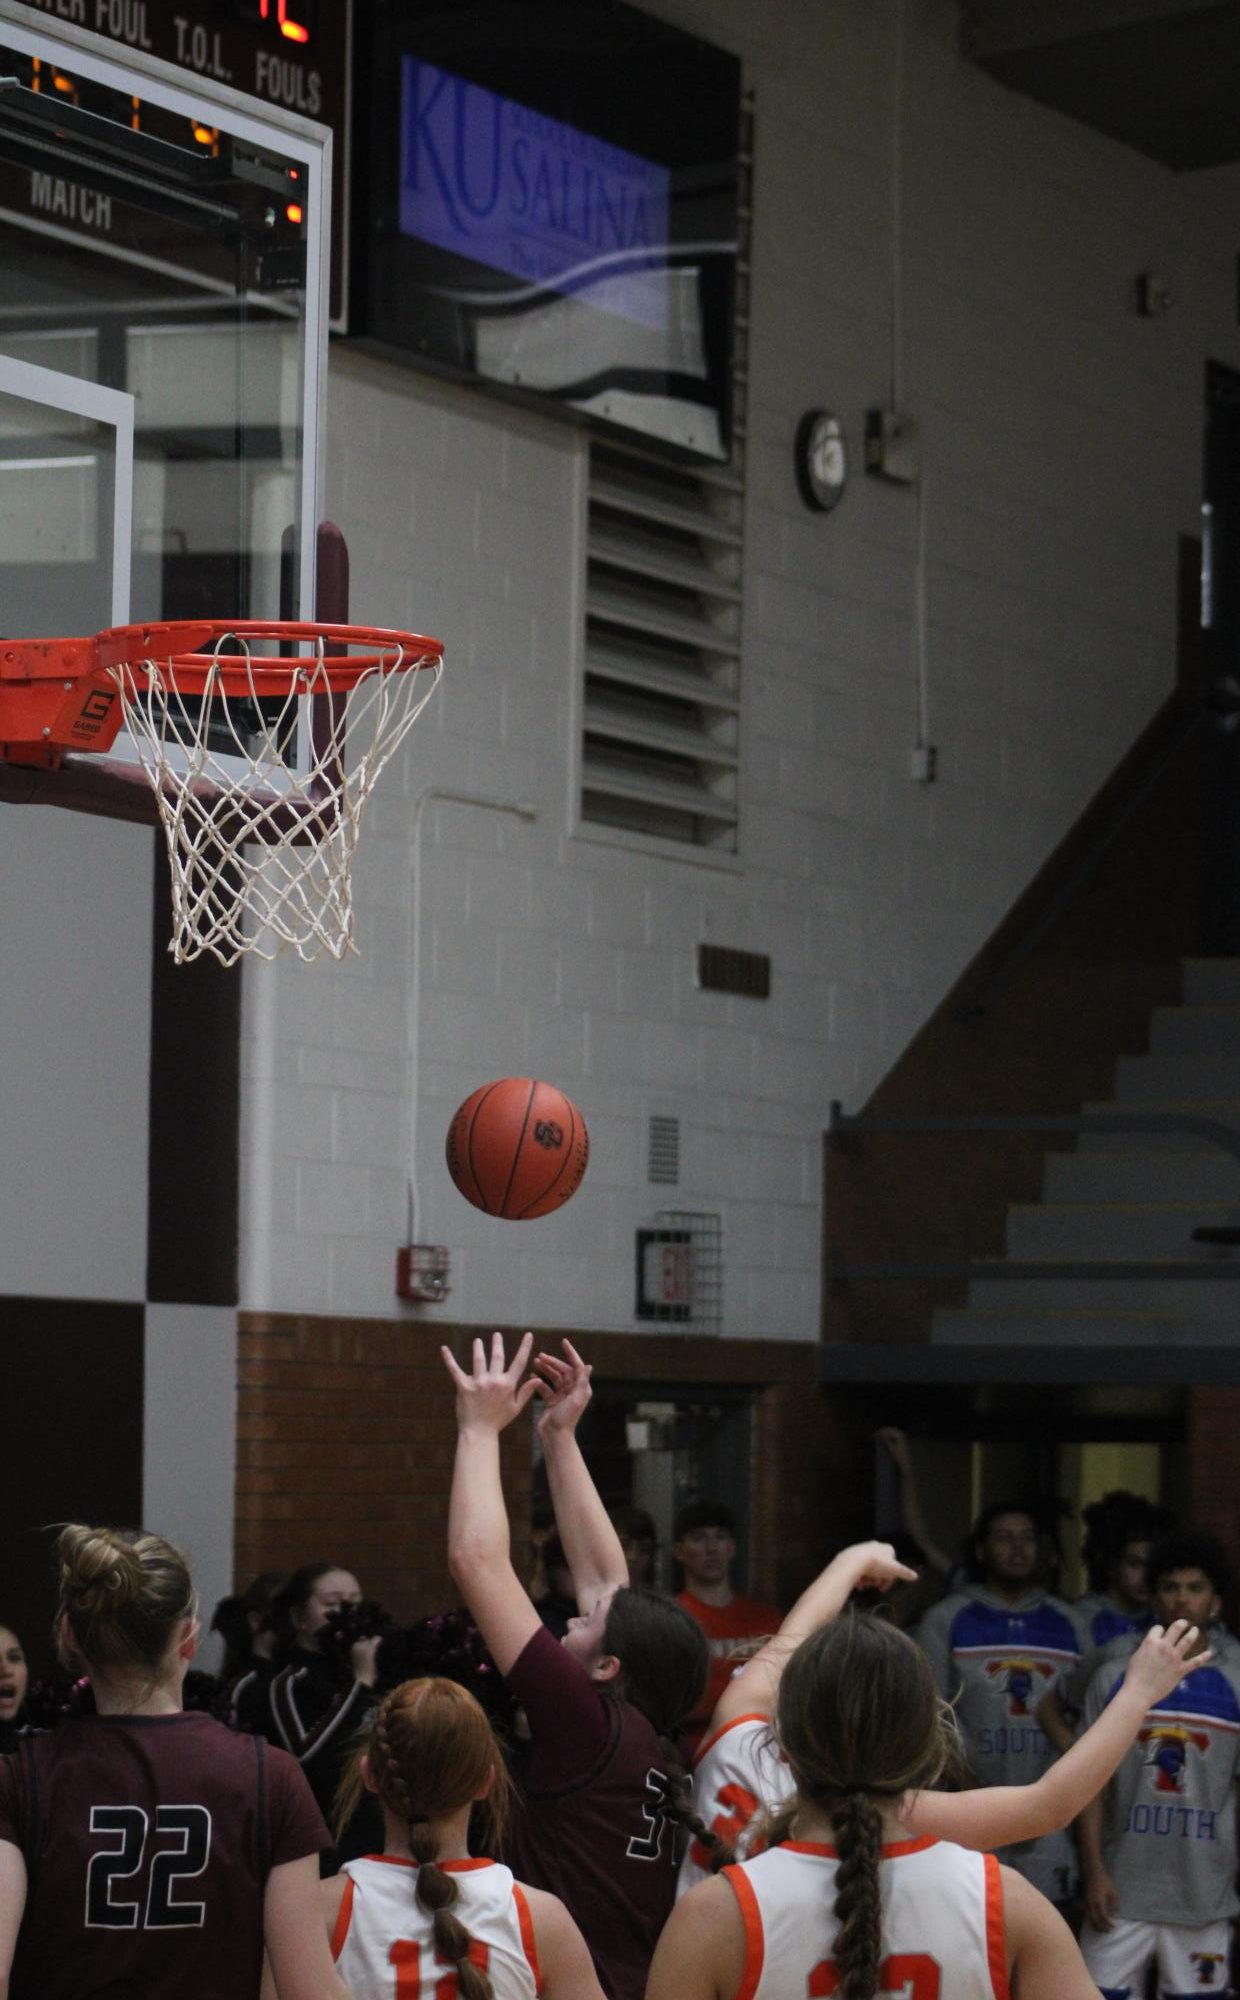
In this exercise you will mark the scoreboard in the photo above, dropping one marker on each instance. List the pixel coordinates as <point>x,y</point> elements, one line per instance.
<point>291,53</point>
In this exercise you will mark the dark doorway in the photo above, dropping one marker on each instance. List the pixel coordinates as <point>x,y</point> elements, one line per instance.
<point>656,1445</point>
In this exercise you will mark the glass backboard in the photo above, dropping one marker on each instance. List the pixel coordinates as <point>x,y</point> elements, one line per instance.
<point>163,247</point>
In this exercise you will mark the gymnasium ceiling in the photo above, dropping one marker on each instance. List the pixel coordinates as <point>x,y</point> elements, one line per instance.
<point>1160,75</point>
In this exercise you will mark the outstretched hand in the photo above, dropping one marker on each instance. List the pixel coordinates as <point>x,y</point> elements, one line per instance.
<point>493,1395</point>
<point>1163,1658</point>
<point>564,1387</point>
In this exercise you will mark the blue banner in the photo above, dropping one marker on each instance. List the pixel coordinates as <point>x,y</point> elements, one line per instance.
<point>554,207</point>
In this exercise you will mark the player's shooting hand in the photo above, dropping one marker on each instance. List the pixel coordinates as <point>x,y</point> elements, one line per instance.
<point>565,1389</point>
<point>1163,1658</point>
<point>1101,1900</point>
<point>873,1566</point>
<point>492,1394</point>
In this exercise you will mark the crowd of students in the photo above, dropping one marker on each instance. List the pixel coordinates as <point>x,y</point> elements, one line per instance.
<point>868,1813</point>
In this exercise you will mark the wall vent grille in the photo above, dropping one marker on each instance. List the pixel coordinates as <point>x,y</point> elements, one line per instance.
<point>723,970</point>
<point>663,1156</point>
<point>660,748</point>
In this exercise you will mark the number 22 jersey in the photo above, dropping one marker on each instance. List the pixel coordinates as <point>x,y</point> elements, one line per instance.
<point>942,1922</point>
<point>148,1840</point>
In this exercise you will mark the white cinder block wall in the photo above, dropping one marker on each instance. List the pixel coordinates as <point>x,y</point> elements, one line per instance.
<point>1063,447</point>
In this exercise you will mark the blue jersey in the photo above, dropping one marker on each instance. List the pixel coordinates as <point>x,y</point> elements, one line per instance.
<point>1098,1620</point>
<point>996,1661</point>
<point>1169,1828</point>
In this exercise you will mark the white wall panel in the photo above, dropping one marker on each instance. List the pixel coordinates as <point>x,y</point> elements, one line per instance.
<point>75,998</point>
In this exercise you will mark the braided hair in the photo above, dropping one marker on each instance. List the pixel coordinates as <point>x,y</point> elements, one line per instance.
<point>429,1751</point>
<point>860,1721</point>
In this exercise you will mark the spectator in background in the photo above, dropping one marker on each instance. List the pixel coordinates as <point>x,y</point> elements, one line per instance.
<point>704,1544</point>
<point>1119,1532</point>
<point>1159,1845</point>
<point>995,1646</point>
<point>639,1539</point>
<point>313,1705</point>
<point>14,1680</point>
<point>246,1625</point>
<point>895,1443</point>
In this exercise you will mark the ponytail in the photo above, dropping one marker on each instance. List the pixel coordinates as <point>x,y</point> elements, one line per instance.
<point>858,1828</point>
<point>860,1722</point>
<point>709,1849</point>
<point>431,1750</point>
<point>437,1891</point>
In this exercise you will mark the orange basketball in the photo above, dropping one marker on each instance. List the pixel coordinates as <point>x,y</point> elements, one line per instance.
<point>518,1148</point>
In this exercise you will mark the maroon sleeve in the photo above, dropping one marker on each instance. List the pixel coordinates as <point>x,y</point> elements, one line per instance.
<point>12,1803</point>
<point>294,1823</point>
<point>570,1723</point>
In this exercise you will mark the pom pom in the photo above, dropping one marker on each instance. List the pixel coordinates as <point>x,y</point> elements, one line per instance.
<point>449,1644</point>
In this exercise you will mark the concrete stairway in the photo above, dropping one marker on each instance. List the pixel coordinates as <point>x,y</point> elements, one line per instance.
<point>1119,1197</point>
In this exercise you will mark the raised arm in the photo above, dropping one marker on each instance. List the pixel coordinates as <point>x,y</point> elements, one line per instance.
<point>994,1815</point>
<point>479,1545</point>
<point>895,1444</point>
<point>592,1548</point>
<point>863,1566</point>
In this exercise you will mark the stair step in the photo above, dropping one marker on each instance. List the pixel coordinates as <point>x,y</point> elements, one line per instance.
<point>1116,1229</point>
<point>1204,1176</point>
<point>1207,979</point>
<point>976,1326</point>
<point>1213,1308</point>
<point>1212,1076</point>
<point>1223,1110</point>
<point>1199,1030</point>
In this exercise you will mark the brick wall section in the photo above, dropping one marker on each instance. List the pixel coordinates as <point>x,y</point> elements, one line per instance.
<point>1211,1487</point>
<point>812,1488</point>
<point>345,1436</point>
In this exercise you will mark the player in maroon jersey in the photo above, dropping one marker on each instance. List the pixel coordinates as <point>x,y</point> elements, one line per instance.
<point>601,1778</point>
<point>145,1853</point>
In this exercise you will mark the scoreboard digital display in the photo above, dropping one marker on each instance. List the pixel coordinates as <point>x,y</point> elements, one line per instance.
<point>291,53</point>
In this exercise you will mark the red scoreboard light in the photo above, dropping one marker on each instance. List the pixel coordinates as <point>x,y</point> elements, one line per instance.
<point>294,53</point>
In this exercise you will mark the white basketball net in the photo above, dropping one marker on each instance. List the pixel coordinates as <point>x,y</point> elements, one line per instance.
<point>261,795</point>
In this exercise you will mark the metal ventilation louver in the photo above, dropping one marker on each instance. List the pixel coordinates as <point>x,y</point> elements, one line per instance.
<point>663,1158</point>
<point>661,712</point>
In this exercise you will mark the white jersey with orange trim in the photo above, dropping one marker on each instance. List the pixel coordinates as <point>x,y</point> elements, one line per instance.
<point>737,1774</point>
<point>383,1943</point>
<point>942,1922</point>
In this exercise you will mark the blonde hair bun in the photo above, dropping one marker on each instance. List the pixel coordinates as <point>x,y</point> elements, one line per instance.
<point>99,1567</point>
<point>122,1597</point>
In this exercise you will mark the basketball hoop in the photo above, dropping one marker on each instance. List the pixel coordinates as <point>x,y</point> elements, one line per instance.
<point>261,741</point>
